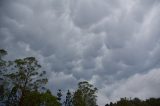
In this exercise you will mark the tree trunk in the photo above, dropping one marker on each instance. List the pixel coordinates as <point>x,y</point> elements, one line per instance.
<point>21,102</point>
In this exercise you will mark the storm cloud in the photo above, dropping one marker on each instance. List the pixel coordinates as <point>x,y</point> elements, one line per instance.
<point>112,43</point>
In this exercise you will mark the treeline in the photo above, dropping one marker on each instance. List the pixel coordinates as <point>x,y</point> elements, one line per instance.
<point>23,83</point>
<point>136,102</point>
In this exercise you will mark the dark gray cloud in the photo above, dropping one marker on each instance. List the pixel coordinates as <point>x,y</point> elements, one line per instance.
<point>110,43</point>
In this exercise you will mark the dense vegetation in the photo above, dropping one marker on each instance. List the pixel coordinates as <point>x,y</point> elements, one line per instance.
<point>136,102</point>
<point>23,83</point>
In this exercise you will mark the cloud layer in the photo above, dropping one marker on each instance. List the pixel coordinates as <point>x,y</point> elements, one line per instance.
<point>113,44</point>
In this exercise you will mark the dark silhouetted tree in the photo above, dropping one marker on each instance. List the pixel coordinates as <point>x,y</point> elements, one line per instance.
<point>59,95</point>
<point>68,101</point>
<point>136,102</point>
<point>3,68</point>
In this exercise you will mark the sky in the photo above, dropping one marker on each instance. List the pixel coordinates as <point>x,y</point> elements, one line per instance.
<point>113,44</point>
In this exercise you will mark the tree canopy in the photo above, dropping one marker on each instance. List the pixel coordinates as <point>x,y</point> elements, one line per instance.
<point>24,81</point>
<point>85,95</point>
<point>136,102</point>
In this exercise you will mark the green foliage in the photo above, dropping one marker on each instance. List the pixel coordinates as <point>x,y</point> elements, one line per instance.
<point>2,53</point>
<point>153,102</point>
<point>3,64</point>
<point>35,98</point>
<point>78,99</point>
<point>26,79</point>
<point>85,95</point>
<point>26,75</point>
<point>49,99</point>
<point>136,102</point>
<point>13,98</point>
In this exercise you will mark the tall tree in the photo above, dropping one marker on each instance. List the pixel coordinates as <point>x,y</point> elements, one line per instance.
<point>26,75</point>
<point>68,101</point>
<point>2,71</point>
<point>85,95</point>
<point>59,95</point>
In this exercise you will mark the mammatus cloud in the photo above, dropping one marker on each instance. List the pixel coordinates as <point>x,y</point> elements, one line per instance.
<point>110,43</point>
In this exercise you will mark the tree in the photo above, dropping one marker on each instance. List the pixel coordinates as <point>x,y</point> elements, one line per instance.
<point>44,99</point>
<point>25,83</point>
<point>136,102</point>
<point>12,97</point>
<point>48,99</point>
<point>153,102</point>
<point>107,105</point>
<point>3,65</point>
<point>2,62</point>
<point>26,76</point>
<point>59,95</point>
<point>85,95</point>
<point>78,99</point>
<point>2,53</point>
<point>68,101</point>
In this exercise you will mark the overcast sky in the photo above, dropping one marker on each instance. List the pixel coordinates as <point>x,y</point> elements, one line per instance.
<point>114,44</point>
